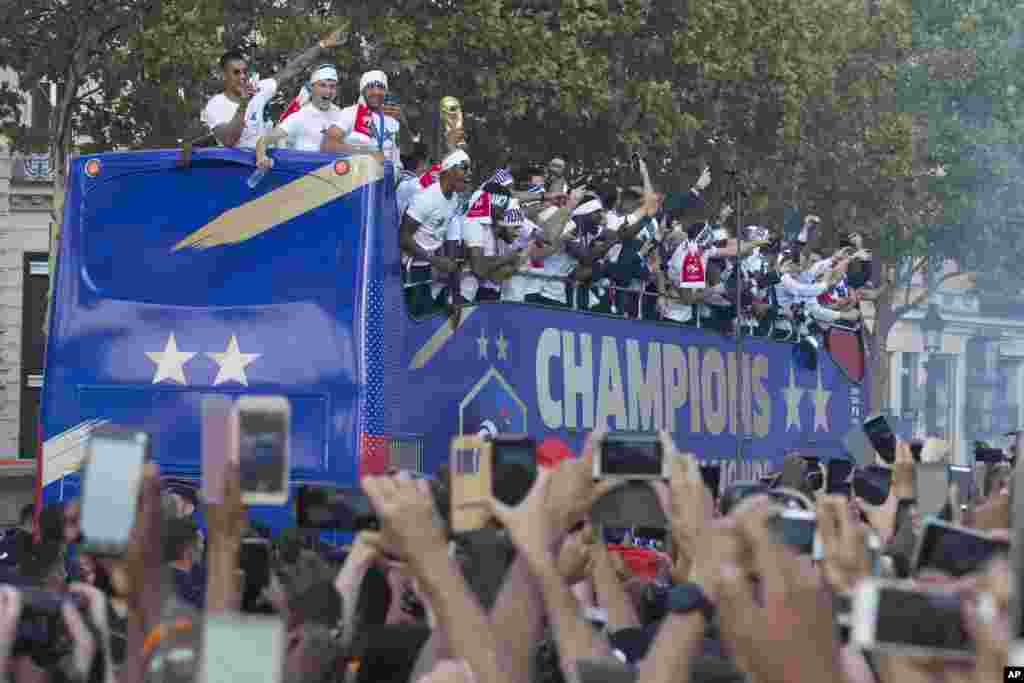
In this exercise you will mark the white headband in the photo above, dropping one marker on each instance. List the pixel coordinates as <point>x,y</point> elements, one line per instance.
<point>454,159</point>
<point>373,77</point>
<point>588,208</point>
<point>324,73</point>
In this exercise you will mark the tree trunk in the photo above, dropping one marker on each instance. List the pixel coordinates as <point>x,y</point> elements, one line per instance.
<point>878,353</point>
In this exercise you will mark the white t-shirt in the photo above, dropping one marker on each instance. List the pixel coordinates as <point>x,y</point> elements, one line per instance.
<point>220,110</point>
<point>434,212</point>
<point>306,127</point>
<point>363,125</point>
<point>407,189</point>
<point>671,308</point>
<point>517,287</point>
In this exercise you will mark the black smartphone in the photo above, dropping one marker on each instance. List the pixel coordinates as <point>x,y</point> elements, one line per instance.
<point>604,671</point>
<point>872,483</point>
<point>631,455</point>
<point>513,467</point>
<point>893,617</point>
<point>327,507</point>
<point>712,476</point>
<point>254,561</point>
<point>796,529</point>
<point>881,436</point>
<point>839,477</point>
<point>954,550</point>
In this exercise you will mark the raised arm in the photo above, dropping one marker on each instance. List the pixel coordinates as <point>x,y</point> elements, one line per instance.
<point>276,135</point>
<point>301,62</point>
<point>228,134</point>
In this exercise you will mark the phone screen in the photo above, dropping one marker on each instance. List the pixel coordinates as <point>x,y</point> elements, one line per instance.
<point>249,649</point>
<point>110,489</point>
<point>797,533</point>
<point>929,620</point>
<point>881,437</point>
<point>932,487</point>
<point>254,561</point>
<point>839,477</point>
<point>631,456</point>
<point>872,484</point>
<point>956,552</point>
<point>964,479</point>
<point>712,476</point>
<point>513,470</point>
<point>263,459</point>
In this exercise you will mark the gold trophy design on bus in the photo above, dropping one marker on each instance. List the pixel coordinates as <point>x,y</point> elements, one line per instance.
<point>452,123</point>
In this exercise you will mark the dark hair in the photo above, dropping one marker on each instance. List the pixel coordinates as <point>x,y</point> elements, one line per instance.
<point>179,534</point>
<point>230,56</point>
<point>420,153</point>
<point>27,512</point>
<point>51,523</point>
<point>41,561</point>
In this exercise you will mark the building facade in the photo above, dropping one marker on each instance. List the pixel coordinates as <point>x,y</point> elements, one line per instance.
<point>26,202</point>
<point>972,386</point>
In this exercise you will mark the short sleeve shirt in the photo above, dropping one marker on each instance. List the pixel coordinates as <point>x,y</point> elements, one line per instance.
<point>434,212</point>
<point>305,128</point>
<point>220,110</point>
<point>364,128</point>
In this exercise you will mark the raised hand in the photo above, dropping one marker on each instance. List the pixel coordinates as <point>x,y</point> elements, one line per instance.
<point>410,525</point>
<point>704,180</point>
<point>785,635</point>
<point>844,539</point>
<point>333,39</point>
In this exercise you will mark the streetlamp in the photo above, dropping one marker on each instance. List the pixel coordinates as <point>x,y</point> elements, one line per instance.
<point>931,326</point>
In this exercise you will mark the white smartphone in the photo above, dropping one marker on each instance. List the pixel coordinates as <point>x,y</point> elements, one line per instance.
<point>110,488</point>
<point>931,484</point>
<point>261,433</point>
<point>893,617</point>
<point>237,648</point>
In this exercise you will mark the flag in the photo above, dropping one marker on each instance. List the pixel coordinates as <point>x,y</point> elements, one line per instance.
<point>502,177</point>
<point>297,103</point>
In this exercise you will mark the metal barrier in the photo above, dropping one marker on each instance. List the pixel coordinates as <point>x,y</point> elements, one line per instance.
<point>793,328</point>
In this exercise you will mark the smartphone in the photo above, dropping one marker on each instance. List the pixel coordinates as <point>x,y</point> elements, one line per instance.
<point>242,648</point>
<point>881,437</point>
<point>254,561</point>
<point>712,476</point>
<point>953,550</point>
<point>328,507</point>
<point>797,529</point>
<point>470,467</point>
<point>215,440</point>
<point>604,671</point>
<point>872,483</point>
<point>630,455</point>
<point>964,479</point>
<point>261,432</point>
<point>931,487</point>
<point>839,477</point>
<point>110,488</point>
<point>893,617</point>
<point>514,467</point>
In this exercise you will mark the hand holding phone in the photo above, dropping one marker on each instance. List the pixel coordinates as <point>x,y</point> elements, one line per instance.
<point>881,436</point>
<point>471,481</point>
<point>261,435</point>
<point>954,551</point>
<point>630,455</point>
<point>894,618</point>
<point>110,488</point>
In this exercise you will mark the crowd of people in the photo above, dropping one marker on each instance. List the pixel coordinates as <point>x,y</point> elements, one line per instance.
<point>543,593</point>
<point>546,591</point>
<point>532,235</point>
